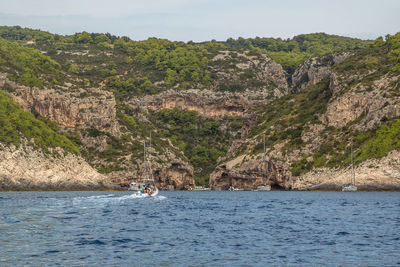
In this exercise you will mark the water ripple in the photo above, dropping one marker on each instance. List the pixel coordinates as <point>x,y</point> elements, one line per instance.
<point>199,229</point>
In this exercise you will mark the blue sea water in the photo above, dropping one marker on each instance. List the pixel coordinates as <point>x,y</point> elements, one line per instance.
<point>200,229</point>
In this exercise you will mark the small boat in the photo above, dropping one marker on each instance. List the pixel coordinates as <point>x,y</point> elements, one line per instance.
<point>143,189</point>
<point>264,188</point>
<point>146,186</point>
<point>351,187</point>
<point>231,188</point>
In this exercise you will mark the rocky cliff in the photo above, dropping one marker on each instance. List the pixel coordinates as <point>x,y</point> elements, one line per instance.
<point>80,109</point>
<point>357,105</point>
<point>25,168</point>
<point>247,172</point>
<point>314,70</point>
<point>208,106</point>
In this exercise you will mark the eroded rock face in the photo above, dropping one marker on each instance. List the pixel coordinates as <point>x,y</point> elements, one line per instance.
<point>373,174</point>
<point>84,108</point>
<point>213,101</point>
<point>236,67</point>
<point>178,174</point>
<point>243,172</point>
<point>314,70</point>
<point>24,168</point>
<point>367,104</point>
<point>206,102</point>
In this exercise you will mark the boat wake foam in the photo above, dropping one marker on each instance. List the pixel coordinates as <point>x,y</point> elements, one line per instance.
<point>113,198</point>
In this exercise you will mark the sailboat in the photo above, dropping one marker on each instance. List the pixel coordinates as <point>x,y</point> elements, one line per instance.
<point>265,187</point>
<point>351,187</point>
<point>146,186</point>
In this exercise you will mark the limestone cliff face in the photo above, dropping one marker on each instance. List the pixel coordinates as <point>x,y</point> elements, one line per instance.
<point>178,174</point>
<point>247,172</point>
<point>207,103</point>
<point>314,70</point>
<point>82,108</point>
<point>268,82</point>
<point>24,168</point>
<point>370,103</point>
<point>239,68</point>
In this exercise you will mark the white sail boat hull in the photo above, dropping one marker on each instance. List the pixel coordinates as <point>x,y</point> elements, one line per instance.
<point>264,188</point>
<point>349,188</point>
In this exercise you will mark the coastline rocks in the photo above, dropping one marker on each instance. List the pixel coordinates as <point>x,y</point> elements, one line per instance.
<point>24,168</point>
<point>178,174</point>
<point>247,173</point>
<point>373,174</point>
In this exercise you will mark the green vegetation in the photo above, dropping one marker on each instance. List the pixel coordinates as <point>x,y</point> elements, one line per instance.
<point>131,87</point>
<point>292,52</point>
<point>179,63</point>
<point>16,123</point>
<point>378,143</point>
<point>201,140</point>
<point>375,143</point>
<point>24,34</point>
<point>26,65</point>
<point>394,53</point>
<point>285,119</point>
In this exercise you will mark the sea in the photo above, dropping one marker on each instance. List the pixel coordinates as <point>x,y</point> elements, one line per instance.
<point>200,228</point>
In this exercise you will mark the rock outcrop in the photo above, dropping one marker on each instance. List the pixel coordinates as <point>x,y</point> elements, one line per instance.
<point>247,172</point>
<point>25,168</point>
<point>177,174</point>
<point>368,103</point>
<point>207,103</point>
<point>252,71</point>
<point>231,93</point>
<point>314,70</point>
<point>83,108</point>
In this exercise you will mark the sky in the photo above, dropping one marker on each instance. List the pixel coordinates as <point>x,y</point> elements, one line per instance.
<point>202,20</point>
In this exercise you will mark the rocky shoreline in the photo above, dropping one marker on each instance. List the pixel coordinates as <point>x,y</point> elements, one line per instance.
<point>24,168</point>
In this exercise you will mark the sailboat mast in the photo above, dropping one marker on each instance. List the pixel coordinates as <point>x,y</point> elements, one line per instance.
<point>265,163</point>
<point>353,182</point>
<point>144,159</point>
<point>150,169</point>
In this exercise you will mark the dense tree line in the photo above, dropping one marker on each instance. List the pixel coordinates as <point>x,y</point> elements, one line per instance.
<point>26,65</point>
<point>200,139</point>
<point>292,52</point>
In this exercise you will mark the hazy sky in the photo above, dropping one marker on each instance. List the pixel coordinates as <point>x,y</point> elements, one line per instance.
<point>200,20</point>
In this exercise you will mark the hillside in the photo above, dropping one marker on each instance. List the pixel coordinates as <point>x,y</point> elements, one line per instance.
<point>34,156</point>
<point>309,133</point>
<point>207,105</point>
